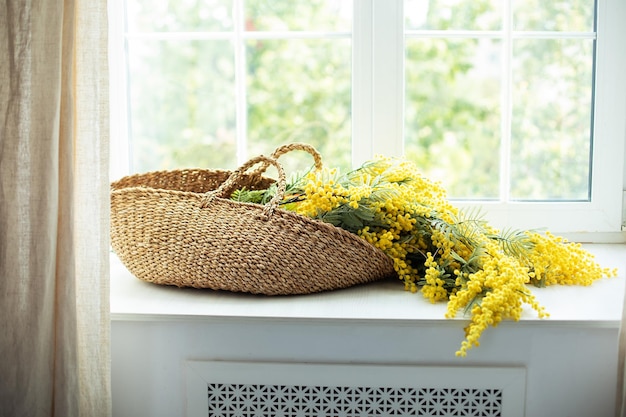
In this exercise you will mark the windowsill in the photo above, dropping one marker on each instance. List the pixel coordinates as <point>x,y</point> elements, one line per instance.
<point>599,305</point>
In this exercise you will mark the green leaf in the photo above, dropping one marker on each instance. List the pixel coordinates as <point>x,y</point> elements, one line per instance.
<point>513,242</point>
<point>248,196</point>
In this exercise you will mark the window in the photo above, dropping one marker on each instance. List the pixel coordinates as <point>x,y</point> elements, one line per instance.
<point>511,104</point>
<point>211,83</point>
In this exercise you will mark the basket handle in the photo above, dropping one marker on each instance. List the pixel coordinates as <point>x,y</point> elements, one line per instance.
<point>236,174</point>
<point>296,146</point>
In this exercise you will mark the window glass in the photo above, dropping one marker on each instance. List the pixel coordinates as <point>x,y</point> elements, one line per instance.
<point>299,15</point>
<point>453,14</point>
<point>554,15</point>
<point>182,104</point>
<point>551,119</point>
<point>501,114</point>
<point>300,90</point>
<point>453,116</point>
<point>214,92</point>
<point>179,15</point>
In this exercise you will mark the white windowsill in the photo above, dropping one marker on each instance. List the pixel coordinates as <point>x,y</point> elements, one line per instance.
<point>599,305</point>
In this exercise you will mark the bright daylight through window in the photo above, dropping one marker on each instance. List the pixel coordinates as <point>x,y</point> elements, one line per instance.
<point>511,104</point>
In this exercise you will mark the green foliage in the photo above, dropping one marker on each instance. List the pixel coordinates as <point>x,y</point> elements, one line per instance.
<point>300,90</point>
<point>514,242</point>
<point>244,195</point>
<point>182,104</point>
<point>348,218</point>
<point>453,117</point>
<point>466,228</point>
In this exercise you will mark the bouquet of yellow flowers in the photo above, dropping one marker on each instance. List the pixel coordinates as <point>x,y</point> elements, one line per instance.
<point>437,249</point>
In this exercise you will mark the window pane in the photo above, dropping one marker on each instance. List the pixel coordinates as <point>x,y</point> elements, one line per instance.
<point>300,90</point>
<point>182,105</point>
<point>554,15</point>
<point>179,15</point>
<point>452,125</point>
<point>453,14</point>
<point>305,15</point>
<point>551,119</point>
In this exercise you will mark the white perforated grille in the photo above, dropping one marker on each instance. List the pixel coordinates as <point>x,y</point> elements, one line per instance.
<point>257,389</point>
<point>254,400</point>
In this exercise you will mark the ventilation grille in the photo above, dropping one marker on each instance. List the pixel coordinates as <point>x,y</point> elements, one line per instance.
<point>252,400</point>
<point>262,389</point>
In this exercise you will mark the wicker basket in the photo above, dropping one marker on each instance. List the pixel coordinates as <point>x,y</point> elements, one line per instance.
<point>179,228</point>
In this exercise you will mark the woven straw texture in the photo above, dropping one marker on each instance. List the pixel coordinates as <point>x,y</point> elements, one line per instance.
<point>180,228</point>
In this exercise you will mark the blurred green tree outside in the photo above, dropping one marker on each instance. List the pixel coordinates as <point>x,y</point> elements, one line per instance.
<point>183,90</point>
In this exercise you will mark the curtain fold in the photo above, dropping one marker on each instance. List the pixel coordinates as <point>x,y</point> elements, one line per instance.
<point>54,201</point>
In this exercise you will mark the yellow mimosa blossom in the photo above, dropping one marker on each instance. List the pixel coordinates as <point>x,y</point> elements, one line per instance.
<point>438,250</point>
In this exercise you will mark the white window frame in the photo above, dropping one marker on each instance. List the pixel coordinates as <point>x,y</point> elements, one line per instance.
<point>378,116</point>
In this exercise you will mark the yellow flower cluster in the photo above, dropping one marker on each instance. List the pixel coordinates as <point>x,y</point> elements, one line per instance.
<point>495,292</point>
<point>433,289</point>
<point>554,260</point>
<point>413,193</point>
<point>358,193</point>
<point>322,193</point>
<point>437,250</point>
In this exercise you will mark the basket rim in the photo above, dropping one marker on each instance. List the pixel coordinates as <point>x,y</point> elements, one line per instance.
<point>338,231</point>
<point>114,187</point>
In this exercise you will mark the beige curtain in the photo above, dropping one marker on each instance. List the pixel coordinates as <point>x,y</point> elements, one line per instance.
<point>54,309</point>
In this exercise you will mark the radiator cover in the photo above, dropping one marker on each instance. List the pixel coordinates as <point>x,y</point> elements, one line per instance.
<point>261,389</point>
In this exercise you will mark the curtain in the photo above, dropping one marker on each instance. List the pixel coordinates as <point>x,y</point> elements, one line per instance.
<point>54,201</point>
